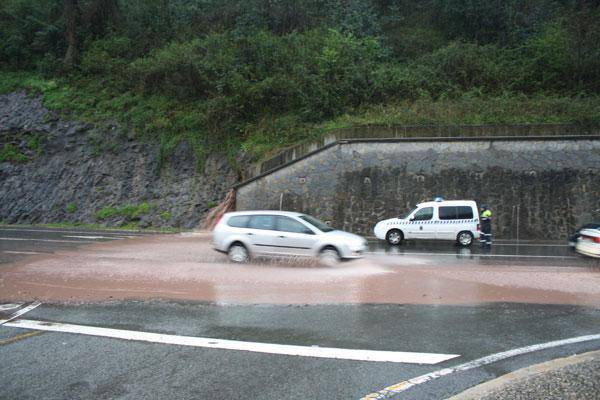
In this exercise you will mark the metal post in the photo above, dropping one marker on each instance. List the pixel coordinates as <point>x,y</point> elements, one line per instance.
<point>280,201</point>
<point>518,212</point>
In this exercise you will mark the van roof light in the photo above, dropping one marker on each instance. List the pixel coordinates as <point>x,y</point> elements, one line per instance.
<point>438,199</point>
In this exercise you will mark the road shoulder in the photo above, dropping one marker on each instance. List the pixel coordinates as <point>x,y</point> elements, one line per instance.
<point>574,377</point>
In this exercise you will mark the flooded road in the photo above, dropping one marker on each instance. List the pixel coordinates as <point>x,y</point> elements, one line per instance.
<point>550,253</point>
<point>127,315</point>
<point>92,266</point>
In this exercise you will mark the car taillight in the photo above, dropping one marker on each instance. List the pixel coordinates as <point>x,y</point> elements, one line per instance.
<point>593,239</point>
<point>478,228</point>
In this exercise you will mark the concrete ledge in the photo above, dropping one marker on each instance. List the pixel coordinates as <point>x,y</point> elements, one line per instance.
<point>294,155</point>
<point>499,385</point>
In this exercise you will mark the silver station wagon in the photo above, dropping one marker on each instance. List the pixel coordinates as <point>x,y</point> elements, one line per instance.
<point>247,233</point>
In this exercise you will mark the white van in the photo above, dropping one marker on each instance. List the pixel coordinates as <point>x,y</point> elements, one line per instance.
<point>456,220</point>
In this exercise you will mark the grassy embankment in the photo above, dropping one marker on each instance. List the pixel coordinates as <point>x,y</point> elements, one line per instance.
<point>96,103</point>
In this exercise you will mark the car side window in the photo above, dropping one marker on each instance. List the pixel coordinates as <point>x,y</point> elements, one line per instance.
<point>287,224</point>
<point>424,214</point>
<point>262,222</point>
<point>464,212</point>
<point>447,212</point>
<point>240,221</point>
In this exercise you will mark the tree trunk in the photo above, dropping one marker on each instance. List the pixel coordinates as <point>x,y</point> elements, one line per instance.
<point>71,15</point>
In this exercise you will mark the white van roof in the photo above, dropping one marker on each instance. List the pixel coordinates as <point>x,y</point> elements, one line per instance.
<point>471,203</point>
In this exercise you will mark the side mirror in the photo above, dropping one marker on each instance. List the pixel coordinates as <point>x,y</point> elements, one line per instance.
<point>411,219</point>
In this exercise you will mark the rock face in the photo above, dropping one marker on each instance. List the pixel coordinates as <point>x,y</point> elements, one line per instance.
<point>537,189</point>
<point>69,171</point>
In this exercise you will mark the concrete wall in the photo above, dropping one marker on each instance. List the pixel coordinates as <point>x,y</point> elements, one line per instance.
<point>549,185</point>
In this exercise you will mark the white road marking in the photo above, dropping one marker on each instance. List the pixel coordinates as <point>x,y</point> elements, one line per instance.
<point>290,350</point>
<point>46,240</point>
<point>530,245</point>
<point>465,255</point>
<point>92,237</point>
<point>20,312</point>
<point>10,306</point>
<point>405,385</point>
<point>22,252</point>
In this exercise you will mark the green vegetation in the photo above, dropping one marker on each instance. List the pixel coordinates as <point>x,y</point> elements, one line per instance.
<point>131,212</point>
<point>71,208</point>
<point>10,152</point>
<point>74,225</point>
<point>259,75</point>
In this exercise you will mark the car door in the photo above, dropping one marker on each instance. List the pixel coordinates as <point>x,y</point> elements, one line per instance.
<point>262,234</point>
<point>294,237</point>
<point>447,222</point>
<point>421,224</point>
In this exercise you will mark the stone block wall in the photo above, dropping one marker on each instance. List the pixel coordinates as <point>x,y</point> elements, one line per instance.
<point>538,189</point>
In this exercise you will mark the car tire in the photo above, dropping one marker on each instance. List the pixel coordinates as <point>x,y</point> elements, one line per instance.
<point>329,256</point>
<point>394,237</point>
<point>238,253</point>
<point>464,238</point>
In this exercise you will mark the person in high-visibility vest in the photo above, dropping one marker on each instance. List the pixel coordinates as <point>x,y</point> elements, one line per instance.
<point>486,226</point>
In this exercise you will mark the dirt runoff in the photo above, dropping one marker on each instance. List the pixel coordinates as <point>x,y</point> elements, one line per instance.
<point>185,267</point>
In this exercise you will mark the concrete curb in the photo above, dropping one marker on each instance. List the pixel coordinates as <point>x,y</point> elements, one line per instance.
<point>498,384</point>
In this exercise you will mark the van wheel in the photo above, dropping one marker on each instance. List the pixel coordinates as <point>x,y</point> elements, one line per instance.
<point>464,238</point>
<point>394,237</point>
<point>238,253</point>
<point>329,256</point>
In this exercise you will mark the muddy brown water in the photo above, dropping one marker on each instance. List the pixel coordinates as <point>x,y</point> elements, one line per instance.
<point>185,267</point>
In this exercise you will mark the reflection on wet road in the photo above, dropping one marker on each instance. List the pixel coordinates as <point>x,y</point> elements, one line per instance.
<point>517,253</point>
<point>19,242</point>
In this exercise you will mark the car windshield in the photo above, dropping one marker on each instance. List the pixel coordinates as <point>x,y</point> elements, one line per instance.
<point>322,226</point>
<point>405,215</point>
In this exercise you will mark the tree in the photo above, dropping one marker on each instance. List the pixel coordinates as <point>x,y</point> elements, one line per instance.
<point>72,15</point>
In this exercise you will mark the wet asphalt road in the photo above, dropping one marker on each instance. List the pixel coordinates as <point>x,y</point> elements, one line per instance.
<point>68,366</point>
<point>52,365</point>
<point>17,243</point>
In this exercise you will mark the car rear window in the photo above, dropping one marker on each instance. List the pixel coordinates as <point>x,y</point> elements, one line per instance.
<point>240,221</point>
<point>456,212</point>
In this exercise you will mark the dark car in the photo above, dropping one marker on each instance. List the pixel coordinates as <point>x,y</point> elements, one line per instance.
<point>573,238</point>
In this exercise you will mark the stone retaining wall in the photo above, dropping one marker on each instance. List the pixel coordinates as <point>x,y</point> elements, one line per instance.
<point>548,185</point>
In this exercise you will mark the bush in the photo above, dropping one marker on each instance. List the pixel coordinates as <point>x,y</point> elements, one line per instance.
<point>109,55</point>
<point>12,153</point>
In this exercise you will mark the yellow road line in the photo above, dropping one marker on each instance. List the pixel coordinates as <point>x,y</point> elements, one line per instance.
<point>20,337</point>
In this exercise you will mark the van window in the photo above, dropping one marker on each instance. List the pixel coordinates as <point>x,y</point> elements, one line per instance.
<point>464,212</point>
<point>455,212</point>
<point>424,214</point>
<point>262,222</point>
<point>240,221</point>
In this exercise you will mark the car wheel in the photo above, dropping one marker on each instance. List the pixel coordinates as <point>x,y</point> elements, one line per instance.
<point>329,257</point>
<point>464,238</point>
<point>238,253</point>
<point>394,237</point>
